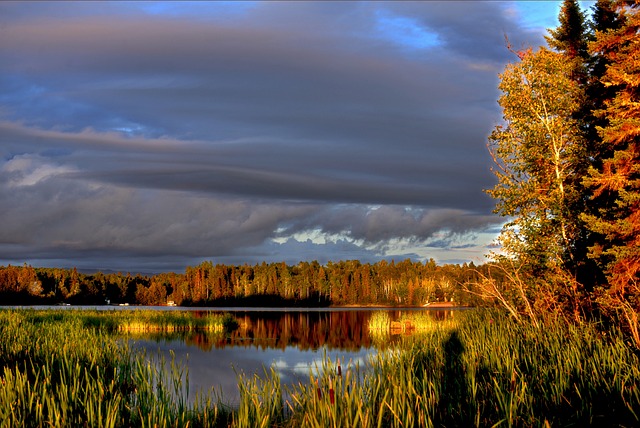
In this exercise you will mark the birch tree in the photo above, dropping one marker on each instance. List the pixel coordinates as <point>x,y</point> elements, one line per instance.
<point>537,153</point>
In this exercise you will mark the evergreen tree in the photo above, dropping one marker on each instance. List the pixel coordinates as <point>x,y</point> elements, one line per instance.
<point>616,180</point>
<point>604,18</point>
<point>570,40</point>
<point>570,36</point>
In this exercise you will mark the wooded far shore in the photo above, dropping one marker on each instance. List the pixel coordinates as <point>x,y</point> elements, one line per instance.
<point>306,284</point>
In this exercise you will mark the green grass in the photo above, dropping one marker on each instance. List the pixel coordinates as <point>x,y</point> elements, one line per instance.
<point>144,320</point>
<point>58,370</point>
<point>380,322</point>
<point>483,370</point>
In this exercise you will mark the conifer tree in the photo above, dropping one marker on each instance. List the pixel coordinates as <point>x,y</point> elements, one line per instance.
<point>570,40</point>
<point>616,181</point>
<point>604,18</point>
<point>570,36</point>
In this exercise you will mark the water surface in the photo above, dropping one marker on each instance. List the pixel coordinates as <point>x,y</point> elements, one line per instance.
<point>293,342</point>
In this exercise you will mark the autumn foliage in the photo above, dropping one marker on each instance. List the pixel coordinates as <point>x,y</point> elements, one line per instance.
<point>306,284</point>
<point>568,167</point>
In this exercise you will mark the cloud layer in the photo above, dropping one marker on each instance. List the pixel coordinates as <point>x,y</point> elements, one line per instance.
<point>154,135</point>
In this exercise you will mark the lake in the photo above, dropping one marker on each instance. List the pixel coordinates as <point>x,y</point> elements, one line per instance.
<point>293,342</point>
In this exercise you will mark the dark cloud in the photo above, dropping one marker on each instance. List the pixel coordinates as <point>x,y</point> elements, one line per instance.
<point>472,29</point>
<point>267,171</point>
<point>146,133</point>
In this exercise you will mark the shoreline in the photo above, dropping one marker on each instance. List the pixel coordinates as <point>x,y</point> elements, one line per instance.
<point>427,305</point>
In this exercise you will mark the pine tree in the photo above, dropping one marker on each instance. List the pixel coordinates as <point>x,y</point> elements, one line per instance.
<point>570,36</point>
<point>616,181</point>
<point>604,18</point>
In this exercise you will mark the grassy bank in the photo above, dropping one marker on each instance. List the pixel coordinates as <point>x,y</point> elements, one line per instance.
<point>481,369</point>
<point>158,321</point>
<point>59,370</point>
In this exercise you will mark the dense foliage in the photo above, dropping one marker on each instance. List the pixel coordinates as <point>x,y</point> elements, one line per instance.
<point>568,169</point>
<point>350,282</point>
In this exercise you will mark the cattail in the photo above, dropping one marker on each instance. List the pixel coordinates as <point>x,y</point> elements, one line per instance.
<point>318,389</point>
<point>339,368</point>
<point>332,397</point>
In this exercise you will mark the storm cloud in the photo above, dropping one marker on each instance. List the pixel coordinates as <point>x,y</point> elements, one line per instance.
<point>155,135</point>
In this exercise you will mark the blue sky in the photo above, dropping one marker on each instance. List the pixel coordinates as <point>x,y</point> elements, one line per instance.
<point>148,136</point>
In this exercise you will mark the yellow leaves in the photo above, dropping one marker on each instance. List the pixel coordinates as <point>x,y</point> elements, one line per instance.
<point>624,132</point>
<point>536,152</point>
<point>610,179</point>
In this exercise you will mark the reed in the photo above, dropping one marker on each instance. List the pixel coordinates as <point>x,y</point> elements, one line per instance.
<point>484,370</point>
<point>395,389</point>
<point>135,320</point>
<point>422,321</point>
<point>57,372</point>
<point>162,321</point>
<point>380,325</point>
<point>261,404</point>
<point>573,374</point>
<point>379,320</point>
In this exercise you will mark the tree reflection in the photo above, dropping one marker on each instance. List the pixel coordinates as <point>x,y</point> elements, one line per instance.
<point>304,330</point>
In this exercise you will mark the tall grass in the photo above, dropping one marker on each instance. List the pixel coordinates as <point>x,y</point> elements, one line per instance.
<point>58,372</point>
<point>520,375</point>
<point>380,323</point>
<point>140,320</point>
<point>484,370</point>
<point>261,403</point>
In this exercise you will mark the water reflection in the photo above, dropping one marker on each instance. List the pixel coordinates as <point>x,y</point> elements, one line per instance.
<point>292,342</point>
<point>302,330</point>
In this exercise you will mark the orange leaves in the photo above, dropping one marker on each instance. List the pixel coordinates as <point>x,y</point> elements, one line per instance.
<point>537,153</point>
<point>614,175</point>
<point>615,185</point>
<point>624,276</point>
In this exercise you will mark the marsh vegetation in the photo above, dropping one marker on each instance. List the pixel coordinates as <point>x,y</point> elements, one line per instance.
<point>64,369</point>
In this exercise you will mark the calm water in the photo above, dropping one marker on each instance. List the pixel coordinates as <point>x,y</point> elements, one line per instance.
<point>293,342</point>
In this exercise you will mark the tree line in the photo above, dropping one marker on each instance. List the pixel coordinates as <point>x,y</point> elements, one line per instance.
<point>567,160</point>
<point>404,283</point>
<point>567,163</point>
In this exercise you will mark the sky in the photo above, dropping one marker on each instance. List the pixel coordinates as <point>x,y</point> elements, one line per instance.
<point>151,136</point>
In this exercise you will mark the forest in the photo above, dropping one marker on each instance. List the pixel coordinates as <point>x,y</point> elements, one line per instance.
<point>567,163</point>
<point>567,166</point>
<point>351,282</point>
